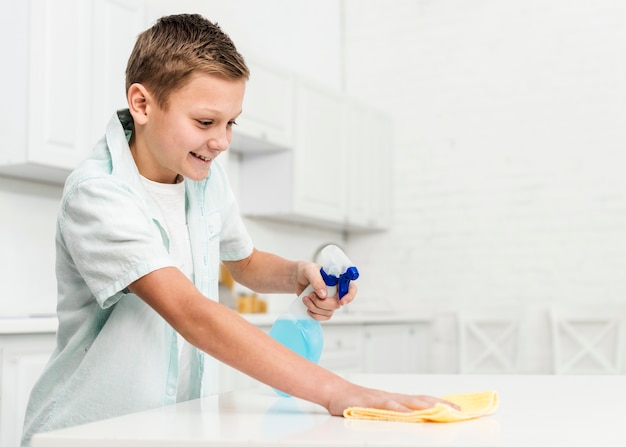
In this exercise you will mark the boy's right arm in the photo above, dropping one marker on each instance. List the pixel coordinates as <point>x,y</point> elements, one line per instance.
<point>225,335</point>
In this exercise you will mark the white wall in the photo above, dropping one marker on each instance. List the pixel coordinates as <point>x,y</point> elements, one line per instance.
<point>27,227</point>
<point>509,147</point>
<point>509,155</point>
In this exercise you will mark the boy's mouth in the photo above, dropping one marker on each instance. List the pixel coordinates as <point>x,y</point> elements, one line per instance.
<point>201,157</point>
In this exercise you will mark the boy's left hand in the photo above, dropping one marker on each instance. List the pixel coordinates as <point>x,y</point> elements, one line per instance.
<point>320,306</point>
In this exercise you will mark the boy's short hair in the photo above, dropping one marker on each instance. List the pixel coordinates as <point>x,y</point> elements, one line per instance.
<point>178,46</point>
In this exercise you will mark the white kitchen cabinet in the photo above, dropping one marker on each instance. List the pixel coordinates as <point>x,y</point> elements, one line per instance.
<point>356,345</point>
<point>336,175</point>
<point>22,359</point>
<point>342,354</point>
<point>369,160</point>
<point>319,165</point>
<point>114,29</point>
<point>306,183</point>
<point>266,123</point>
<point>396,348</point>
<point>52,133</point>
<point>343,348</point>
<point>66,81</point>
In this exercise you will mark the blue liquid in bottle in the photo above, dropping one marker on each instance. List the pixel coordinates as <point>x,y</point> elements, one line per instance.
<point>301,336</point>
<point>296,330</point>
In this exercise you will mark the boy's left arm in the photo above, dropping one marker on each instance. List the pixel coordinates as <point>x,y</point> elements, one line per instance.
<point>268,273</point>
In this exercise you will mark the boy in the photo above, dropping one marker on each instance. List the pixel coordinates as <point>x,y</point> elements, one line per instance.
<point>142,227</point>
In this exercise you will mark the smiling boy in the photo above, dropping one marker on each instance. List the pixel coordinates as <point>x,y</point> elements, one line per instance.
<point>142,228</point>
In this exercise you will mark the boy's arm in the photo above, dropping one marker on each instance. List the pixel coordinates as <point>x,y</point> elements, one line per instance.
<point>268,273</point>
<point>223,334</point>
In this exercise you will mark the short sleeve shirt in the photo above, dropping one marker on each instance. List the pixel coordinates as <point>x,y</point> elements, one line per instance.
<point>115,355</point>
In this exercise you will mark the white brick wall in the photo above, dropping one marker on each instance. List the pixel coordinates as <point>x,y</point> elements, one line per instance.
<point>508,155</point>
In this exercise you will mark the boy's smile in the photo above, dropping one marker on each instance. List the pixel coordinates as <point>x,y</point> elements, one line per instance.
<point>186,135</point>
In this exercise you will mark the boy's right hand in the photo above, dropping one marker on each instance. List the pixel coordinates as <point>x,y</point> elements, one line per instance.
<point>358,396</point>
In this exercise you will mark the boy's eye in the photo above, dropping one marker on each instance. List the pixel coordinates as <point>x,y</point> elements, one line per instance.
<point>206,123</point>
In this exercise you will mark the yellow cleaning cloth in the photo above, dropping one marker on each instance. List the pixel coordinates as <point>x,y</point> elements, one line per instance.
<point>473,405</point>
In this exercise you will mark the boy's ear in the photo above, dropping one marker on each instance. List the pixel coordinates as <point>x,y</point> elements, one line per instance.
<point>138,98</point>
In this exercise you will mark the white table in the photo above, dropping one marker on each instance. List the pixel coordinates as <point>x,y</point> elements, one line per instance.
<point>534,411</point>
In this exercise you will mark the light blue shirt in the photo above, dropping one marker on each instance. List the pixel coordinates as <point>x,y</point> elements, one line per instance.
<point>115,355</point>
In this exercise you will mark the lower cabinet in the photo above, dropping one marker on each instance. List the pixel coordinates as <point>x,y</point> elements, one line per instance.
<point>343,348</point>
<point>22,359</point>
<point>352,348</point>
<point>396,348</point>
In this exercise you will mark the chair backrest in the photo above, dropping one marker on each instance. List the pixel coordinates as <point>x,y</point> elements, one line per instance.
<point>488,341</point>
<point>588,339</point>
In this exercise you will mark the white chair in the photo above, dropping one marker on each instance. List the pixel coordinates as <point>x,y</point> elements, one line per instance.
<point>488,341</point>
<point>588,339</point>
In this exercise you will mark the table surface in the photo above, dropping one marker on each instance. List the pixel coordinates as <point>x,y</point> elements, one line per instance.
<point>534,411</point>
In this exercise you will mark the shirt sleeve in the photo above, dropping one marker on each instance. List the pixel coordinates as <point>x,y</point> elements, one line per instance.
<point>235,241</point>
<point>111,237</point>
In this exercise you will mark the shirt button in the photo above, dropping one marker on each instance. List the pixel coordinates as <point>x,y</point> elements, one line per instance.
<point>170,391</point>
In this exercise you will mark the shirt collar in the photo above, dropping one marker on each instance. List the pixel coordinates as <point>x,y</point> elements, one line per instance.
<point>118,134</point>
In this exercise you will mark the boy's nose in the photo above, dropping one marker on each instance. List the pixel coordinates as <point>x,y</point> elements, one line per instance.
<point>219,142</point>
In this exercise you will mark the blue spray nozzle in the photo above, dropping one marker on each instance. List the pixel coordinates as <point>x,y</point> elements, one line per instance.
<point>342,281</point>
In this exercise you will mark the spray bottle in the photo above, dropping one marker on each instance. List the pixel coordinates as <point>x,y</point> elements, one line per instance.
<point>295,328</point>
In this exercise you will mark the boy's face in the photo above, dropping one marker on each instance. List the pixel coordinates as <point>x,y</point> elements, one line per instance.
<point>194,129</point>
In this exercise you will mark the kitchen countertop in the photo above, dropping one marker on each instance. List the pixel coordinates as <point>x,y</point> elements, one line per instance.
<point>537,411</point>
<point>41,324</point>
<point>29,324</point>
<point>353,317</point>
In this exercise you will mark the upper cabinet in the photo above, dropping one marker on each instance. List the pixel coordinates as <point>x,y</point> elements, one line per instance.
<point>266,123</point>
<point>370,158</point>
<point>49,88</point>
<point>319,156</point>
<point>307,153</point>
<point>66,81</point>
<point>335,174</point>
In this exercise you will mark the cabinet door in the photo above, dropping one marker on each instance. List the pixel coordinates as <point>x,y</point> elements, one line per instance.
<point>395,348</point>
<point>23,358</point>
<point>266,123</point>
<point>306,184</point>
<point>343,348</point>
<point>14,19</point>
<point>338,172</point>
<point>55,91</point>
<point>320,170</point>
<point>58,119</point>
<point>115,26</point>
<point>369,146</point>
<point>72,80</point>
